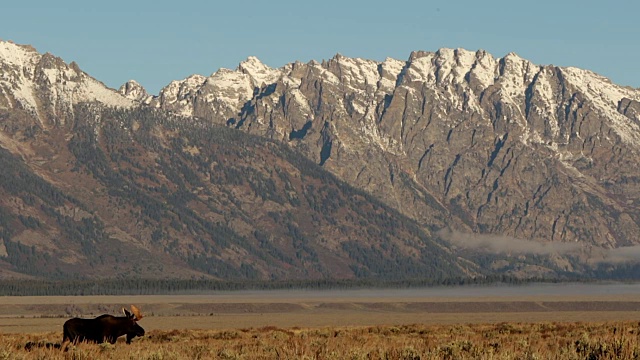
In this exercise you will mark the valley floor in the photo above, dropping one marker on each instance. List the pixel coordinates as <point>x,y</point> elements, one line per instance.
<point>336,308</point>
<point>533,322</point>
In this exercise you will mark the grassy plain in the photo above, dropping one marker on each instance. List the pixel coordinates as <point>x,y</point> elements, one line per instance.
<point>337,325</point>
<point>547,340</point>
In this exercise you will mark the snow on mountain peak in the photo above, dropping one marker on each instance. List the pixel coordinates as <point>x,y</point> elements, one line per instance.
<point>356,72</point>
<point>259,72</point>
<point>445,65</point>
<point>471,72</point>
<point>134,91</point>
<point>178,96</point>
<point>14,54</point>
<point>30,80</point>
<point>484,69</point>
<point>390,69</point>
<point>228,86</point>
<point>454,63</point>
<point>606,95</point>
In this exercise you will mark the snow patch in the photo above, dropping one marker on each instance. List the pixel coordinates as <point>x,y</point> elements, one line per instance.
<point>90,89</point>
<point>517,74</point>
<point>451,66</point>
<point>324,74</point>
<point>392,66</point>
<point>606,95</point>
<point>259,72</point>
<point>422,69</point>
<point>19,55</point>
<point>464,62</point>
<point>390,70</point>
<point>302,101</point>
<point>25,96</point>
<point>64,84</point>
<point>484,69</point>
<point>231,87</point>
<point>357,73</point>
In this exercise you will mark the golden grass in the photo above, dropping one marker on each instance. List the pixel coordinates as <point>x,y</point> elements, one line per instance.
<point>285,325</point>
<point>500,341</point>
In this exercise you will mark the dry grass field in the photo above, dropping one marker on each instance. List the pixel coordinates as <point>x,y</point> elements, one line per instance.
<point>339,325</point>
<point>547,340</point>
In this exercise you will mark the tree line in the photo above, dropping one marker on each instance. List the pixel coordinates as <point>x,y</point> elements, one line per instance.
<point>198,286</point>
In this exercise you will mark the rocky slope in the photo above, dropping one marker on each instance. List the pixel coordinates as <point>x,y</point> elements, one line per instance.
<point>483,166</point>
<point>454,139</point>
<point>44,88</point>
<point>93,187</point>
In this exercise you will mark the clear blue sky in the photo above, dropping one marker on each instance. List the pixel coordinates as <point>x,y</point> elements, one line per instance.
<point>155,42</point>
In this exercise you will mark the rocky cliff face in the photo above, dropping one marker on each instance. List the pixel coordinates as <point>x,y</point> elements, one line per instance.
<point>44,88</point>
<point>536,164</point>
<point>92,188</point>
<point>454,139</point>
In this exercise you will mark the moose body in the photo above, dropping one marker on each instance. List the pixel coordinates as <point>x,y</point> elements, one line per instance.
<point>103,328</point>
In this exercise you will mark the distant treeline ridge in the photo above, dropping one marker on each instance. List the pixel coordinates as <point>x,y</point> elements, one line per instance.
<point>181,286</point>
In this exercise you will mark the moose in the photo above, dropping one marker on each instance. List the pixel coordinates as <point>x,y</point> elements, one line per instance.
<point>104,328</point>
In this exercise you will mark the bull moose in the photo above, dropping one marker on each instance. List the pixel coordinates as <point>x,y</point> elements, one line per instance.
<point>104,328</point>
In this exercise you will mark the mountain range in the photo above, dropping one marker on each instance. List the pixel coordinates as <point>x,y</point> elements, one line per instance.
<point>450,164</point>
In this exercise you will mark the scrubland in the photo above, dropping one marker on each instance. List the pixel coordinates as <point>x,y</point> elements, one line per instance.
<point>542,340</point>
<point>341,325</point>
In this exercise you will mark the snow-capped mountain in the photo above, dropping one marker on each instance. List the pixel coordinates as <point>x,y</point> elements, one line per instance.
<point>452,138</point>
<point>93,187</point>
<point>46,87</point>
<point>482,152</point>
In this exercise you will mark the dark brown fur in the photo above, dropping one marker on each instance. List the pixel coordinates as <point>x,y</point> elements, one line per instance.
<point>104,328</point>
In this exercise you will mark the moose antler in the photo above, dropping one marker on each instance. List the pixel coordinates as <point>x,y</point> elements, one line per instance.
<point>136,312</point>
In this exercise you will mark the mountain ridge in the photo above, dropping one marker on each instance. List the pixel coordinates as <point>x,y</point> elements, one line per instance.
<point>543,105</point>
<point>477,150</point>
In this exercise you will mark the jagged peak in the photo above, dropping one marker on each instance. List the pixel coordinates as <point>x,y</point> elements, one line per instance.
<point>16,54</point>
<point>450,53</point>
<point>517,70</point>
<point>251,63</point>
<point>355,72</point>
<point>512,56</point>
<point>35,77</point>
<point>258,71</point>
<point>350,61</point>
<point>417,54</point>
<point>390,60</point>
<point>252,59</point>
<point>607,95</point>
<point>176,88</point>
<point>514,61</point>
<point>481,54</point>
<point>133,90</point>
<point>132,83</point>
<point>195,80</point>
<point>446,64</point>
<point>392,63</point>
<point>485,58</point>
<point>50,59</point>
<point>224,73</point>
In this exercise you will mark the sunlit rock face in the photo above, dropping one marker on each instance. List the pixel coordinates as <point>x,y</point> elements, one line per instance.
<point>453,138</point>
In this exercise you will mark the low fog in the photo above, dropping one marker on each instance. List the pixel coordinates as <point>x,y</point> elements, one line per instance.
<point>617,255</point>
<point>500,244</point>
